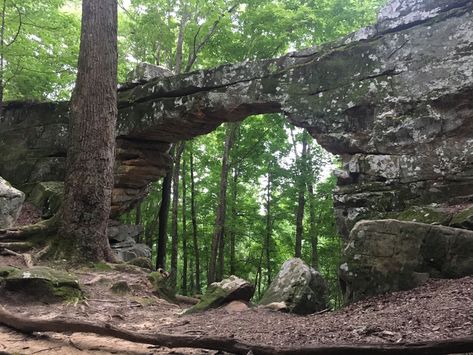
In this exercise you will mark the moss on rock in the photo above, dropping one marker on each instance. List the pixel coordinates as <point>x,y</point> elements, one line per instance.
<point>225,291</point>
<point>44,284</point>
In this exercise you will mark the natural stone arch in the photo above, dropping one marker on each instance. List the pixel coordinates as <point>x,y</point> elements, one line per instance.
<point>395,106</point>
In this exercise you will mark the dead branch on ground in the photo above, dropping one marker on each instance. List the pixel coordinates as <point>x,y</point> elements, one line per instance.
<point>230,345</point>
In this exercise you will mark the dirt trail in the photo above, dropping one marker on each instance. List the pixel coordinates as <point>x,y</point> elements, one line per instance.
<point>441,309</point>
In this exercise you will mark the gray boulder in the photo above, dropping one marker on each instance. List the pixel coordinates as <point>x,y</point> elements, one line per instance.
<point>300,287</point>
<point>123,232</point>
<point>122,240</point>
<point>391,255</point>
<point>223,292</point>
<point>11,201</point>
<point>129,250</point>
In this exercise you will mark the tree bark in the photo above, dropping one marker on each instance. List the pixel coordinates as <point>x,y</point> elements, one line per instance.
<point>219,232</point>
<point>300,199</point>
<point>180,40</point>
<point>184,229</point>
<point>2,58</point>
<point>267,243</point>
<point>175,207</point>
<point>195,240</point>
<point>314,260</point>
<point>161,244</point>
<point>138,220</point>
<point>91,153</point>
<point>232,233</point>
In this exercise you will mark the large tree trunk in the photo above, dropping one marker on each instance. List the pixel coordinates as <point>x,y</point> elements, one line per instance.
<point>219,231</point>
<point>175,206</point>
<point>195,240</point>
<point>184,229</point>
<point>91,153</point>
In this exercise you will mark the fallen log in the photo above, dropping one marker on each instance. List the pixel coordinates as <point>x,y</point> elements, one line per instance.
<point>231,345</point>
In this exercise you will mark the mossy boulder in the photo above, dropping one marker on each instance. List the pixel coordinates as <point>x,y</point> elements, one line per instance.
<point>48,196</point>
<point>464,219</point>
<point>162,285</point>
<point>142,262</point>
<point>44,284</point>
<point>425,214</point>
<point>5,271</point>
<point>390,255</point>
<point>300,287</point>
<point>223,292</point>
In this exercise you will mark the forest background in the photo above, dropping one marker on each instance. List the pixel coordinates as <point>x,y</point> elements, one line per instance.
<point>242,199</point>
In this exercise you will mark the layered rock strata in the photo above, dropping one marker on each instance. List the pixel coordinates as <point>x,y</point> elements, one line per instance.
<point>393,100</point>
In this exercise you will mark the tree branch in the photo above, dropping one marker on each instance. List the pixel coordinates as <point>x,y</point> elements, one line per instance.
<point>207,38</point>
<point>19,27</point>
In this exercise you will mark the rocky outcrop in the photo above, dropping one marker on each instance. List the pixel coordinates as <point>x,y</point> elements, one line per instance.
<point>122,239</point>
<point>391,255</point>
<point>11,201</point>
<point>299,287</point>
<point>41,284</point>
<point>393,100</point>
<point>223,292</point>
<point>145,72</point>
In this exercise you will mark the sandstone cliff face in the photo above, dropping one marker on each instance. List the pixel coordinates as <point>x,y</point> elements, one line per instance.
<point>393,100</point>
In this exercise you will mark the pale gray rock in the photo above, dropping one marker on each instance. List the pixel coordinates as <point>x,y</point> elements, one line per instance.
<point>11,201</point>
<point>299,287</point>
<point>223,292</point>
<point>390,255</point>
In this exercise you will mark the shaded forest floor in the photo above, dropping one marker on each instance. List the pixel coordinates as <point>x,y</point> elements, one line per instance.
<point>441,309</point>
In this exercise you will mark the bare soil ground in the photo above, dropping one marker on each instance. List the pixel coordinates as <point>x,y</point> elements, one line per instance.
<point>441,309</point>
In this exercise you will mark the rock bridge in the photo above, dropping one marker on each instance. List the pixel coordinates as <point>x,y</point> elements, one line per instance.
<point>394,101</point>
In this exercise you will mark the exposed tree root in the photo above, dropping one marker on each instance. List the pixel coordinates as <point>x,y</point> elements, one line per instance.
<point>27,258</point>
<point>187,299</point>
<point>230,345</point>
<point>43,229</point>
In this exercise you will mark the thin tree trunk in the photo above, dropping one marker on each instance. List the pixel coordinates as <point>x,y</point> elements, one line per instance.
<point>174,220</point>
<point>300,199</point>
<point>151,231</point>
<point>180,41</point>
<point>260,273</point>
<point>91,153</point>
<point>268,227</point>
<point>314,260</point>
<point>138,219</point>
<point>184,229</point>
<point>234,221</point>
<point>161,244</point>
<point>219,231</point>
<point>195,240</point>
<point>2,58</point>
